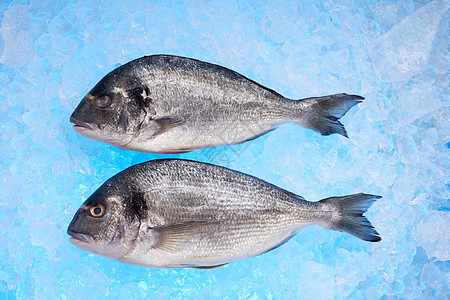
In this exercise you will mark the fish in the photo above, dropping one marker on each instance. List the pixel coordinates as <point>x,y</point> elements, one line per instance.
<point>174,213</point>
<point>172,104</point>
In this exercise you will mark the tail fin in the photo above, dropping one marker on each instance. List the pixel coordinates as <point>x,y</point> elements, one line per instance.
<point>322,114</point>
<point>351,220</point>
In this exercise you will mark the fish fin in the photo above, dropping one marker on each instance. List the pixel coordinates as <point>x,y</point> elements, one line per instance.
<point>258,135</point>
<point>174,237</point>
<point>178,151</point>
<point>281,244</point>
<point>324,112</point>
<point>165,124</point>
<point>295,196</point>
<point>210,267</point>
<point>351,209</point>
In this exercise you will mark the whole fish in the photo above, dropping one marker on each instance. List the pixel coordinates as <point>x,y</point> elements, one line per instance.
<point>180,213</point>
<point>171,104</point>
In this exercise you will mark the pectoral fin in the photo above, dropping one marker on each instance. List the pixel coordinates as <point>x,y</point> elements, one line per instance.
<point>164,124</point>
<point>176,236</point>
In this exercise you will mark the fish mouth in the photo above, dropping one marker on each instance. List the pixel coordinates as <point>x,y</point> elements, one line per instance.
<point>80,126</point>
<point>79,239</point>
<point>92,131</point>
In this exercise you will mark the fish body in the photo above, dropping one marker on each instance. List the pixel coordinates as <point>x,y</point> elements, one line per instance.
<point>171,104</point>
<point>180,213</point>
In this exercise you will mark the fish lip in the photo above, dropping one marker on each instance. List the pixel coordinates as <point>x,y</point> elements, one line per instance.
<point>80,125</point>
<point>77,237</point>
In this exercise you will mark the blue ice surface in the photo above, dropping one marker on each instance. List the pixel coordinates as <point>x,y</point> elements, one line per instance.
<point>394,53</point>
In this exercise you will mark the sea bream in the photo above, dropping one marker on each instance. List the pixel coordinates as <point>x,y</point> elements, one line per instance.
<point>171,104</point>
<point>181,213</point>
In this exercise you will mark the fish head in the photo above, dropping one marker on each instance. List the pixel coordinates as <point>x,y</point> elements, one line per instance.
<point>103,226</point>
<point>112,112</point>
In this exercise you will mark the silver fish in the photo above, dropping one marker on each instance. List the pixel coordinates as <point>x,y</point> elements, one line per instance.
<point>180,213</point>
<point>171,104</point>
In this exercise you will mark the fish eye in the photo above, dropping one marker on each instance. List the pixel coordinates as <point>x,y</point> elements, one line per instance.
<point>97,211</point>
<point>103,101</point>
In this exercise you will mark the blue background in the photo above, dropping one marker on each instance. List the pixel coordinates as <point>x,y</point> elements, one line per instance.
<point>394,53</point>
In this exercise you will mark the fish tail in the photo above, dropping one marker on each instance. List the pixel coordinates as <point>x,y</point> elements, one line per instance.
<point>322,114</point>
<point>349,217</point>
